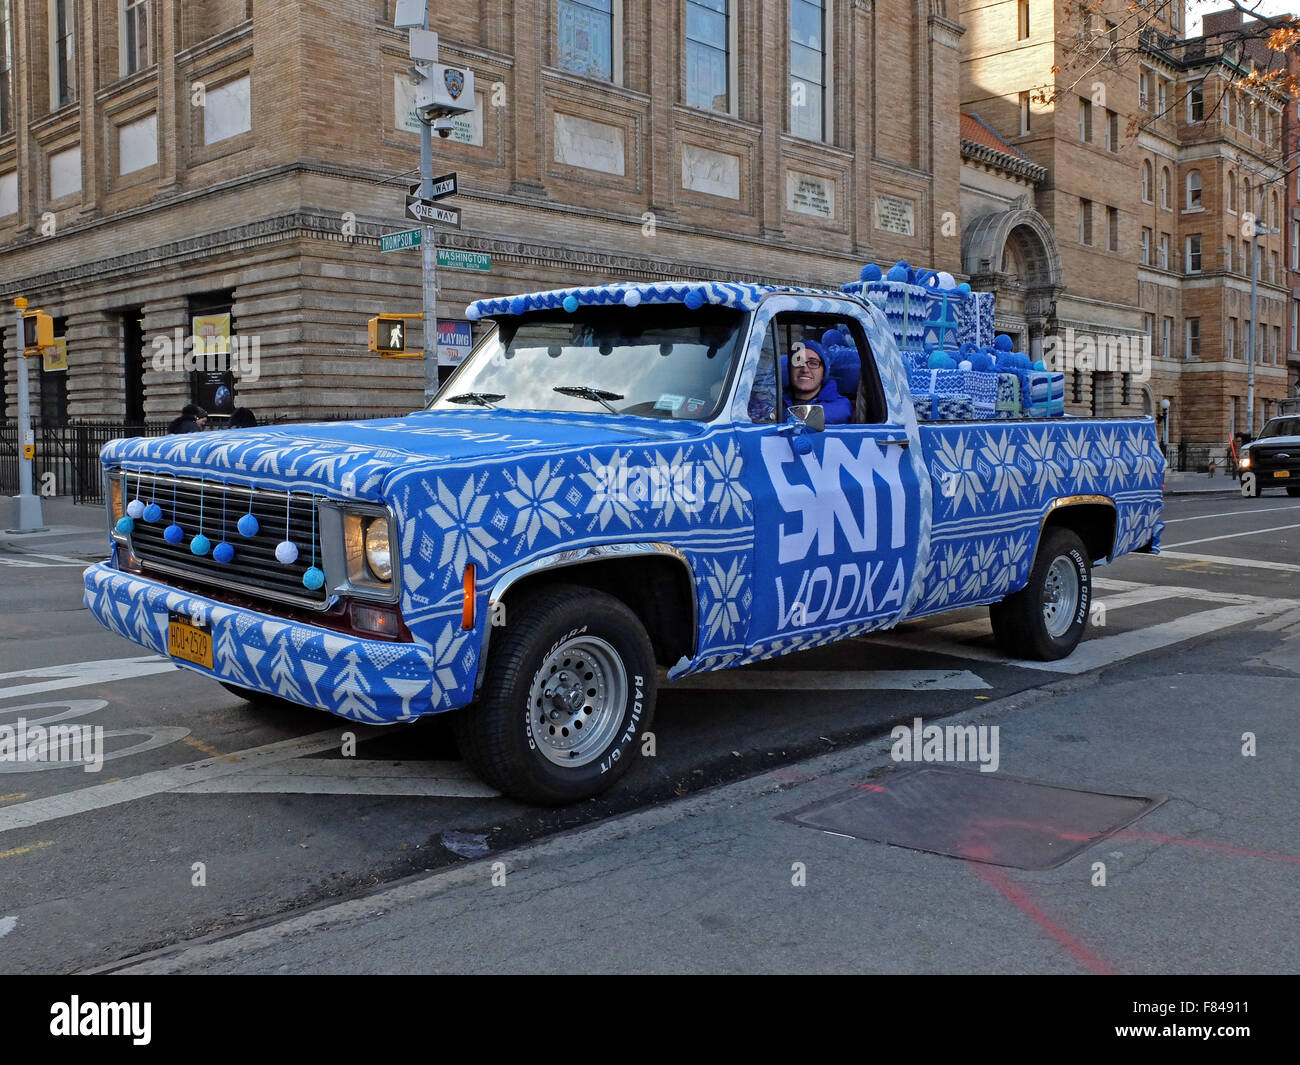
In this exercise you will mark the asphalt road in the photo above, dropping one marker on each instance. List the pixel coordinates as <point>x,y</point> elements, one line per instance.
<point>215,819</point>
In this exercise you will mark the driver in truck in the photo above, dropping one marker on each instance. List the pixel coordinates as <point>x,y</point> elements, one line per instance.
<point>810,383</point>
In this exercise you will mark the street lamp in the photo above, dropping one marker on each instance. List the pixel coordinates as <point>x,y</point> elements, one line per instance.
<point>1164,426</point>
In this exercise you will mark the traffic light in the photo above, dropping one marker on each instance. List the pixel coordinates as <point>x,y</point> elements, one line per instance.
<point>38,331</point>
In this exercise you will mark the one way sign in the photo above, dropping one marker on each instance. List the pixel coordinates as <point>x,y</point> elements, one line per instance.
<point>444,185</point>
<point>424,211</point>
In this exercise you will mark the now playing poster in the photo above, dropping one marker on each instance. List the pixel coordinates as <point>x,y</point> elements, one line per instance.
<point>454,342</point>
<point>836,531</point>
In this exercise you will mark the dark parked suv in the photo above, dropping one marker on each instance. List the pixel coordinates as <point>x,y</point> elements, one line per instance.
<point>1272,459</point>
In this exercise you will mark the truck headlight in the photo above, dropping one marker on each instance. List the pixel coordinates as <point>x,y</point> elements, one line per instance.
<point>379,555</point>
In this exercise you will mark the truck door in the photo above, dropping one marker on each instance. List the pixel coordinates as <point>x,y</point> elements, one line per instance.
<point>838,526</point>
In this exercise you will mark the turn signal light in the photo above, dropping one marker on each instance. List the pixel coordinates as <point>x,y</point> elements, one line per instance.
<point>467,609</point>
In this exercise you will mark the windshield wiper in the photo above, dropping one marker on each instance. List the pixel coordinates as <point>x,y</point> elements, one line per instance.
<point>596,395</point>
<point>483,399</point>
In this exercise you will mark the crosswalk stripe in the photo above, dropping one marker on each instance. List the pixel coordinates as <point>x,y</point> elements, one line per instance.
<point>1234,536</point>
<point>80,674</point>
<point>1223,560</point>
<point>1231,514</point>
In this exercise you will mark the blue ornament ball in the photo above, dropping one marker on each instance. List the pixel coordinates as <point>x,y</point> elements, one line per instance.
<point>247,525</point>
<point>286,552</point>
<point>173,534</point>
<point>1040,365</point>
<point>570,303</point>
<point>200,545</point>
<point>152,512</point>
<point>124,525</point>
<point>870,272</point>
<point>1003,342</point>
<point>223,552</point>
<point>938,360</point>
<point>694,299</point>
<point>964,288</point>
<point>135,508</point>
<point>313,578</point>
<point>898,272</point>
<point>983,362</point>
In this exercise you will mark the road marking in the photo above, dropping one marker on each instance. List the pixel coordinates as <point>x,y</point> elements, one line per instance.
<point>1223,560</point>
<point>1285,621</point>
<point>1233,536</point>
<point>18,851</point>
<point>207,748</point>
<point>99,796</point>
<point>79,674</point>
<point>352,776</point>
<point>831,680</point>
<point>13,796</point>
<point>7,925</point>
<point>1231,514</point>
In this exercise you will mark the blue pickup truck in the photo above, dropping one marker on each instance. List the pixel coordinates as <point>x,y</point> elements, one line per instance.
<point>621,485</point>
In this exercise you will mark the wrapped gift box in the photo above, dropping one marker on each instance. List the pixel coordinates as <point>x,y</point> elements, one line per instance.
<point>975,320</point>
<point>1007,402</point>
<point>981,387</point>
<point>951,408</point>
<point>1042,393</point>
<point>906,308</point>
<point>921,381</point>
<point>924,406</point>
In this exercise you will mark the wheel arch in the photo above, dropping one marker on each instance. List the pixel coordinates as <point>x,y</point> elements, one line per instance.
<point>654,580</point>
<point>1093,517</point>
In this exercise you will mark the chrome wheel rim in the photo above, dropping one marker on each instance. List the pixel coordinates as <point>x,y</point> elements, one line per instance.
<point>1060,597</point>
<point>576,701</point>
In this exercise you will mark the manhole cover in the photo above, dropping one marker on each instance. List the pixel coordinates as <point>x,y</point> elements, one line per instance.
<point>983,817</point>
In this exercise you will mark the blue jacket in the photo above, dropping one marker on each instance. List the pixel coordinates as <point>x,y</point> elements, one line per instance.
<point>837,408</point>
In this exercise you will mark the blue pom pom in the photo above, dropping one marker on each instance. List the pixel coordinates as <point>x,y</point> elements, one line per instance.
<point>313,578</point>
<point>694,299</point>
<point>247,525</point>
<point>570,303</point>
<point>964,288</point>
<point>982,362</point>
<point>870,272</point>
<point>125,525</point>
<point>898,272</point>
<point>223,552</point>
<point>938,360</point>
<point>200,545</point>
<point>173,534</point>
<point>518,305</point>
<point>152,512</point>
<point>1040,365</point>
<point>1003,342</point>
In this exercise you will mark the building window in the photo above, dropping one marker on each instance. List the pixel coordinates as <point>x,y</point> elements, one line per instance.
<point>63,54</point>
<point>1295,325</point>
<point>6,69</point>
<point>1254,119</point>
<point>1295,245</point>
<point>1112,33</point>
<point>1229,192</point>
<point>1144,89</point>
<point>1164,251</point>
<point>1125,389</point>
<point>1146,180</point>
<point>1196,103</point>
<point>1166,335</point>
<point>1272,267</point>
<point>1163,102</point>
<point>708,54</point>
<point>1277,342</point>
<point>1232,253</point>
<point>136,35</point>
<point>1241,112</point>
<point>1112,131</point>
<point>1227,108</point>
<point>1193,198</point>
<point>1193,338</point>
<point>1022,19</point>
<point>1024,113</point>
<point>1076,386</point>
<point>1146,246</point>
<point>1085,120</point>
<point>1085,221</point>
<point>1273,219</point>
<point>1194,253</point>
<point>1228,349</point>
<point>808,69</point>
<point>584,38</point>
<point>1164,187</point>
<point>1112,229</point>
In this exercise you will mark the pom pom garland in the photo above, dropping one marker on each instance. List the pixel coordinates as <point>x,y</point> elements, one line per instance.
<point>173,534</point>
<point>223,552</point>
<point>286,552</point>
<point>200,545</point>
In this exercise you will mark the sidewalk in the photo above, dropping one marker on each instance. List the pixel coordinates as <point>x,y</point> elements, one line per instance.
<point>78,530</point>
<point>1177,484</point>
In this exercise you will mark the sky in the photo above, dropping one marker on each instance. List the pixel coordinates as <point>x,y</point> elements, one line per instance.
<point>1195,8</point>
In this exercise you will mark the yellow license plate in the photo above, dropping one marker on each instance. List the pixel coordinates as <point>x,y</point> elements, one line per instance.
<point>189,644</point>
<point>1281,473</point>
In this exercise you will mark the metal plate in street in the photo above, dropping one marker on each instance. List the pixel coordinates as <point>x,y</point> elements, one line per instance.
<point>406,238</point>
<point>424,211</point>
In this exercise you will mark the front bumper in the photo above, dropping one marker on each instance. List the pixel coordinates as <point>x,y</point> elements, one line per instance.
<point>372,681</point>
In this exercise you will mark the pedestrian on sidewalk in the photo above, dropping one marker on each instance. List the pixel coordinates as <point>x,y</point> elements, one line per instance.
<point>192,419</point>
<point>242,418</point>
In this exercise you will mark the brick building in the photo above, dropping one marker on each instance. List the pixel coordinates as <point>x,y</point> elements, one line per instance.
<point>1143,177</point>
<point>166,165</point>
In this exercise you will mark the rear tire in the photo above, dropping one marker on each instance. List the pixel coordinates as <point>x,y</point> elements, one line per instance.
<point>1046,619</point>
<point>568,689</point>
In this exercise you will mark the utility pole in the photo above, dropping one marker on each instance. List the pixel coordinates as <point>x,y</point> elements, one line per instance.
<point>1260,229</point>
<point>28,516</point>
<point>428,249</point>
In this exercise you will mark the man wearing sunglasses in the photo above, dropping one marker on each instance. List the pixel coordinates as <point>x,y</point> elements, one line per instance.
<point>810,383</point>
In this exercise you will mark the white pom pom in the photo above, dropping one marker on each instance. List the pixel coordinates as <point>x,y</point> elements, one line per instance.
<point>286,552</point>
<point>965,364</point>
<point>135,508</point>
<point>631,298</point>
<point>472,313</point>
<point>946,280</point>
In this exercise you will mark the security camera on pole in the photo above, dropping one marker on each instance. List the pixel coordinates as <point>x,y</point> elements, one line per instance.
<point>441,93</point>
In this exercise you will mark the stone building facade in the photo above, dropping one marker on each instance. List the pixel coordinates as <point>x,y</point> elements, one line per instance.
<point>167,162</point>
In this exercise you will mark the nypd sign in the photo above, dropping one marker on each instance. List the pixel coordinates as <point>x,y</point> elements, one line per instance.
<point>446,89</point>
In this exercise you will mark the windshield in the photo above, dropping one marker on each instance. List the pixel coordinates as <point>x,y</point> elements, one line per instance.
<point>658,361</point>
<point>1280,427</point>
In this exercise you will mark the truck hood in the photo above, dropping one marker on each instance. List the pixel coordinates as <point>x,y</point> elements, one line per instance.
<point>352,460</point>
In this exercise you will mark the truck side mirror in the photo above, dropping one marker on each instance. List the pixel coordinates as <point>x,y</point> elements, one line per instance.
<point>811,415</point>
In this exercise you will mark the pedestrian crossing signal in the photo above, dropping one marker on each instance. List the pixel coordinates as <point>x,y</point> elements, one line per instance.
<point>387,334</point>
<point>38,331</point>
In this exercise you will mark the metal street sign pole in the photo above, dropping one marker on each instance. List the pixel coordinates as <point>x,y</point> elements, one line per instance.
<point>27,504</point>
<point>429,254</point>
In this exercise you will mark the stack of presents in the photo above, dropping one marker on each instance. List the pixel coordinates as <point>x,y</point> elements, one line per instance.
<point>957,368</point>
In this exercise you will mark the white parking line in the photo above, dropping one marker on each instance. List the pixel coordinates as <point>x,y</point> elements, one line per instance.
<point>78,674</point>
<point>831,680</point>
<point>1231,514</point>
<point>1233,536</point>
<point>1223,560</point>
<point>352,776</point>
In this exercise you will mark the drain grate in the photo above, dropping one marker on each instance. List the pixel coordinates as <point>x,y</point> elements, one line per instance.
<point>982,817</point>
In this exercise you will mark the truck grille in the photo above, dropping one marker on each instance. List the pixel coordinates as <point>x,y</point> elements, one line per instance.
<point>254,570</point>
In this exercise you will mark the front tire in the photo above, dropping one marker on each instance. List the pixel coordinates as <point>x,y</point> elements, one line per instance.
<point>1045,620</point>
<point>568,689</point>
